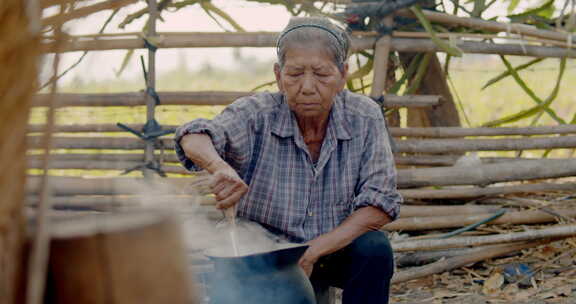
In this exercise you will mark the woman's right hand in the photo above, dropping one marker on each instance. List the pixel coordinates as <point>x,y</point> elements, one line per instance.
<point>227,186</point>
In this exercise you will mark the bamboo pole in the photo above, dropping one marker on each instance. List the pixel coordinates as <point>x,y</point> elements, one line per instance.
<point>479,36</point>
<point>115,161</point>
<point>472,241</point>
<point>480,254</point>
<point>103,157</point>
<point>112,186</point>
<point>451,221</point>
<point>121,202</point>
<point>414,45</point>
<point>149,158</point>
<point>92,128</point>
<point>202,98</point>
<point>395,34</point>
<point>408,259</point>
<point>451,160</point>
<point>433,132</point>
<point>106,186</point>
<point>493,26</point>
<point>501,131</point>
<point>487,173</point>
<point>438,160</point>
<point>37,266</point>
<point>477,192</point>
<point>261,39</point>
<point>103,165</point>
<point>465,145</point>
<point>439,210</point>
<point>403,146</point>
<point>381,56</point>
<point>107,143</point>
<point>86,11</point>
<point>48,3</point>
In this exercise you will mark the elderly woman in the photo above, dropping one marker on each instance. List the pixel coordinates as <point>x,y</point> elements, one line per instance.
<point>311,162</point>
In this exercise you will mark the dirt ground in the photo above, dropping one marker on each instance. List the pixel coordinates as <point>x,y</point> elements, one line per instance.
<point>549,277</point>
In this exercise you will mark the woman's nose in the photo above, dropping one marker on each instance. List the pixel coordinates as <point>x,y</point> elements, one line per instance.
<point>308,84</point>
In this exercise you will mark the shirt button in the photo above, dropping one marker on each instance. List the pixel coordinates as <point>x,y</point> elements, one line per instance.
<point>310,213</point>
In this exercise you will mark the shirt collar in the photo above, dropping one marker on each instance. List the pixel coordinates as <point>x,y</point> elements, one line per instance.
<point>285,123</point>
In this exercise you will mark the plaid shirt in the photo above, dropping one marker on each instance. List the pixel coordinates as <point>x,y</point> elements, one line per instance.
<point>259,137</point>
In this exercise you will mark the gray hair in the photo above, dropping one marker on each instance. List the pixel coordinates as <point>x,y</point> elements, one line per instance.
<point>302,30</point>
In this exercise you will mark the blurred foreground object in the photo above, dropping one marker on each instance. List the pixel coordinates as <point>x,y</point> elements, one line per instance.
<point>19,51</point>
<point>121,258</point>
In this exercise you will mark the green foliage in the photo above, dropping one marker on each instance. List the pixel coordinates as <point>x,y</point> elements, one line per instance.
<point>545,10</point>
<point>507,72</point>
<point>512,6</point>
<point>408,74</point>
<point>541,105</point>
<point>453,51</point>
<point>417,80</point>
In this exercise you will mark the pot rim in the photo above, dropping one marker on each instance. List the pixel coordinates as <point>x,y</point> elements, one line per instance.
<point>284,247</point>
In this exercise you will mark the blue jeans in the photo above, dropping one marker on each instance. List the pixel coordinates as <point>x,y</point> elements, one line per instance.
<point>362,269</point>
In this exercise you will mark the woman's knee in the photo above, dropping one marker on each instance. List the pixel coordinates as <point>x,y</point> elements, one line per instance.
<point>372,244</point>
<point>375,252</point>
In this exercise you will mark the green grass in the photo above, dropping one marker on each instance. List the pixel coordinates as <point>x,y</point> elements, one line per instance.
<point>506,97</point>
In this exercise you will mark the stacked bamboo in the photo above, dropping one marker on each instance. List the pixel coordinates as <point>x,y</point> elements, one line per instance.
<point>422,162</point>
<point>506,231</point>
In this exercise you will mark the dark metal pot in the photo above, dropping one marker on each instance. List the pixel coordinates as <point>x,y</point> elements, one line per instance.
<point>270,277</point>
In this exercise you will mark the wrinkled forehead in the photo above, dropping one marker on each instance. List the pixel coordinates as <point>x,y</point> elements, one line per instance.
<point>315,55</point>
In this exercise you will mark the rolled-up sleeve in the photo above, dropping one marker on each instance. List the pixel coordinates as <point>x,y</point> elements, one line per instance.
<point>229,131</point>
<point>377,182</point>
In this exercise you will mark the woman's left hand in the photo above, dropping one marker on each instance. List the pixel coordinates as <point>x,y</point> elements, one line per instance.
<point>318,248</point>
<point>307,263</point>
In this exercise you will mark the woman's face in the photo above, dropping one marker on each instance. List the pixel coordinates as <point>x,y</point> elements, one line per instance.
<point>309,79</point>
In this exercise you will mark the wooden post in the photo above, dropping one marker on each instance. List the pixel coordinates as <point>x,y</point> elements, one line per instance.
<point>380,81</point>
<point>381,55</point>
<point>18,57</point>
<point>151,84</point>
<point>433,82</point>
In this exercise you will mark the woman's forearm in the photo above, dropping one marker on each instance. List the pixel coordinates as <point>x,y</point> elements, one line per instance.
<point>200,150</point>
<point>361,221</point>
<point>226,185</point>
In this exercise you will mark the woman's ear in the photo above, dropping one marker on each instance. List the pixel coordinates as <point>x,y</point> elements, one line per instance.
<point>344,74</point>
<point>278,75</point>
